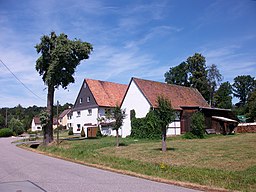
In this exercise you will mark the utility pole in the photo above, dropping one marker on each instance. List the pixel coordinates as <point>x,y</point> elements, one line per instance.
<point>57,122</point>
<point>6,119</point>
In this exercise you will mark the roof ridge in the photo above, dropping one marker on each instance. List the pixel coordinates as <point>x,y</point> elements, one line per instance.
<point>164,83</point>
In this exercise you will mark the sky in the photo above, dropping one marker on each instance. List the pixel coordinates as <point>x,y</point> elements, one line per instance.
<point>130,38</point>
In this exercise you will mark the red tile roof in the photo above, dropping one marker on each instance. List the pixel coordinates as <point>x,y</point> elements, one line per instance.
<point>107,94</point>
<point>178,95</point>
<point>37,120</point>
<point>65,112</point>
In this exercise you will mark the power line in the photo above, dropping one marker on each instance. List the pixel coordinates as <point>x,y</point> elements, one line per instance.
<point>20,81</point>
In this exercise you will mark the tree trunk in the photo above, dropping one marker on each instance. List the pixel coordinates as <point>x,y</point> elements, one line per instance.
<point>48,131</point>
<point>164,140</point>
<point>117,138</point>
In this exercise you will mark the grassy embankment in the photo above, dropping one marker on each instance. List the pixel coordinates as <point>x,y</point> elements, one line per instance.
<point>222,161</point>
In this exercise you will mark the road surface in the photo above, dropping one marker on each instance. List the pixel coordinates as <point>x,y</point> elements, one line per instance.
<point>25,171</point>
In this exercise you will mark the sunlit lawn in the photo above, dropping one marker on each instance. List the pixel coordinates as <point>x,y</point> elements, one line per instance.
<point>221,161</point>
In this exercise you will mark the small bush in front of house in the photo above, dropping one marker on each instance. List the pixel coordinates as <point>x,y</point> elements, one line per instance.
<point>148,127</point>
<point>6,132</point>
<point>82,132</point>
<point>189,135</point>
<point>197,124</point>
<point>70,131</point>
<point>98,134</point>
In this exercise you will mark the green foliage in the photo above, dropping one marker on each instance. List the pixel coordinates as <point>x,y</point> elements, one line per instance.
<point>194,73</point>
<point>148,127</point>
<point>222,97</point>
<point>164,111</point>
<point>16,126</point>
<point>251,106</point>
<point>70,131</point>
<point>242,87</point>
<point>6,132</point>
<point>59,58</point>
<point>82,132</point>
<point>178,75</point>
<point>197,124</point>
<point>2,121</point>
<point>189,135</point>
<point>118,116</point>
<point>214,78</point>
<point>198,78</point>
<point>44,118</point>
<point>98,134</point>
<point>132,114</point>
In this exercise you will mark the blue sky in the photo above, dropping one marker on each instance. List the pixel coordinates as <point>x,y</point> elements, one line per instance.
<point>141,38</point>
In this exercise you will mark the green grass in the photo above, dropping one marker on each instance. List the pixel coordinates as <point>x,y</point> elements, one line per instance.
<point>221,161</point>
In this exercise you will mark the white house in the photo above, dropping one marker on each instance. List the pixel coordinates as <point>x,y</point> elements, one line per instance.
<point>141,95</point>
<point>36,124</point>
<point>63,118</point>
<point>95,100</point>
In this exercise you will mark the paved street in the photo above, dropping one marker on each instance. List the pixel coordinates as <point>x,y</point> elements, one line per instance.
<point>25,171</point>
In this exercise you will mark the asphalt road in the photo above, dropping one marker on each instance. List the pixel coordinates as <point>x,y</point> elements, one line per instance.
<point>25,171</point>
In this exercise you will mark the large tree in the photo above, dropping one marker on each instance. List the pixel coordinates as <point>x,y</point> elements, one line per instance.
<point>251,106</point>
<point>223,96</point>
<point>198,77</point>
<point>194,73</point>
<point>242,87</point>
<point>59,58</point>
<point>165,115</point>
<point>214,78</point>
<point>178,75</point>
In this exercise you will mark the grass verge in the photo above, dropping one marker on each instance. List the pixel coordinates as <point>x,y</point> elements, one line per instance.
<point>220,162</point>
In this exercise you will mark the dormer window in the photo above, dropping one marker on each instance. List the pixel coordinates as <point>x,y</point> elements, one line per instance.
<point>88,99</point>
<point>81,100</point>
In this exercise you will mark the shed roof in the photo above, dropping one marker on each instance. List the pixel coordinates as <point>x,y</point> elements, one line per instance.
<point>65,112</point>
<point>177,95</point>
<point>37,120</point>
<point>106,94</point>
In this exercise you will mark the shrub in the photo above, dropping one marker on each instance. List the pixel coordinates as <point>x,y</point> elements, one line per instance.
<point>189,135</point>
<point>82,132</point>
<point>16,126</point>
<point>147,127</point>
<point>98,134</point>
<point>197,124</point>
<point>70,131</point>
<point>6,132</point>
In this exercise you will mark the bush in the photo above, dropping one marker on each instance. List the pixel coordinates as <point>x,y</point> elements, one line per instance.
<point>16,126</point>
<point>6,132</point>
<point>197,124</point>
<point>147,127</point>
<point>70,131</point>
<point>189,135</point>
<point>98,134</point>
<point>82,132</point>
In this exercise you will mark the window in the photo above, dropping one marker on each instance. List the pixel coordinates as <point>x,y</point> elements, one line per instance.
<point>88,99</point>
<point>85,85</point>
<point>78,113</point>
<point>78,127</point>
<point>89,112</point>
<point>38,127</point>
<point>81,100</point>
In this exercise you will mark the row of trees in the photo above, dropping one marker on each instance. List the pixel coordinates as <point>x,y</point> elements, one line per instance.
<point>208,80</point>
<point>21,117</point>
